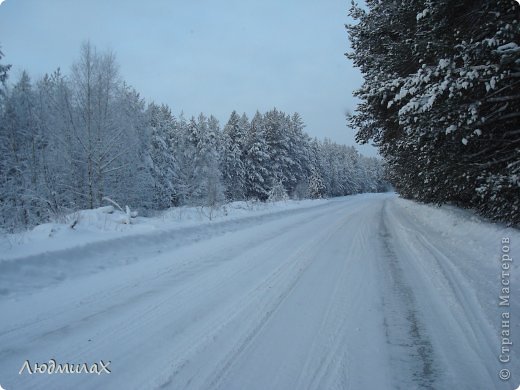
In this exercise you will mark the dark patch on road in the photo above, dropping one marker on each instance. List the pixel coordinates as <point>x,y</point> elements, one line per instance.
<point>411,351</point>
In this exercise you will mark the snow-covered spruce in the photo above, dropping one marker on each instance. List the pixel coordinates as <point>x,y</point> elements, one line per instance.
<point>441,99</point>
<point>60,152</point>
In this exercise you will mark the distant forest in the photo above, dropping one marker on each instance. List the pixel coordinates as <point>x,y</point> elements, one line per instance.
<point>67,141</point>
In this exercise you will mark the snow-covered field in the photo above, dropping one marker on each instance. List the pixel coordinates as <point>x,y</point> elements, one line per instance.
<point>362,292</point>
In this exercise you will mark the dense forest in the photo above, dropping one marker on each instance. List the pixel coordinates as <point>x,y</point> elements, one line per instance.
<point>69,141</point>
<point>441,99</point>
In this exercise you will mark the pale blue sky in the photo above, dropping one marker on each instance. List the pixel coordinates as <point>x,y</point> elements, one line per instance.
<point>213,56</point>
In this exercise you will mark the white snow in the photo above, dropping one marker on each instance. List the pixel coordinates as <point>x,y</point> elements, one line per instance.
<point>101,225</point>
<point>451,129</point>
<point>444,63</point>
<point>510,47</point>
<point>422,14</point>
<point>362,292</point>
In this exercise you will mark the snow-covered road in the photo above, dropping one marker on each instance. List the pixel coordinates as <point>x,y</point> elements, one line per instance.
<point>363,292</point>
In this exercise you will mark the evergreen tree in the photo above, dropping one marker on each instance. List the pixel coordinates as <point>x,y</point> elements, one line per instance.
<point>3,70</point>
<point>233,170</point>
<point>67,142</point>
<point>20,159</point>
<point>214,187</point>
<point>298,153</point>
<point>211,189</point>
<point>440,99</point>
<point>277,136</point>
<point>162,163</point>
<point>316,186</point>
<point>256,160</point>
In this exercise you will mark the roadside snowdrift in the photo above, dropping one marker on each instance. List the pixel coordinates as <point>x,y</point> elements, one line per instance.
<point>105,223</point>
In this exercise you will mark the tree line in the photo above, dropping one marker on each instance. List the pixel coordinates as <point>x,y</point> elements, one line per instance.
<point>67,141</point>
<point>441,99</point>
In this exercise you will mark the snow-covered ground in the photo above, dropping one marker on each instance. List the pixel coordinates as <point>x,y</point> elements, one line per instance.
<point>106,223</point>
<point>363,292</point>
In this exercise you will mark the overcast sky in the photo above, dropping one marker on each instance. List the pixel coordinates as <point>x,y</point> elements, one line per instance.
<point>210,56</point>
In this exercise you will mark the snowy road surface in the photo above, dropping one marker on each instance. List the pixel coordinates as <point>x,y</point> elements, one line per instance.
<point>363,292</point>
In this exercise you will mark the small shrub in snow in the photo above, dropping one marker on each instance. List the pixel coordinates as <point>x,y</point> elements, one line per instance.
<point>277,192</point>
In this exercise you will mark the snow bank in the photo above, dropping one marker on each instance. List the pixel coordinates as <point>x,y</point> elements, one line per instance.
<point>476,235</point>
<point>106,223</point>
